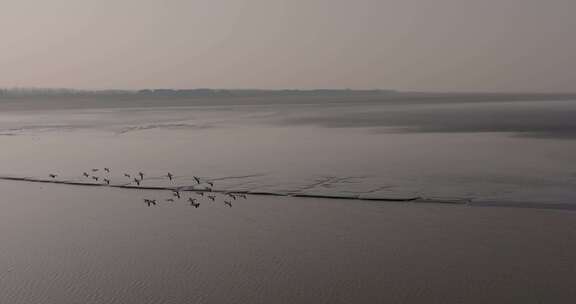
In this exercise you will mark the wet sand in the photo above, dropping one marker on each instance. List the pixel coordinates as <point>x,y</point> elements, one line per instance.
<point>65,244</point>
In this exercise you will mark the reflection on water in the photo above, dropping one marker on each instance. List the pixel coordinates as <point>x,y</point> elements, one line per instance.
<point>468,150</point>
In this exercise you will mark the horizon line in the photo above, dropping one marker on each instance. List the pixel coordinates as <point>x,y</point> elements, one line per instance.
<point>31,89</point>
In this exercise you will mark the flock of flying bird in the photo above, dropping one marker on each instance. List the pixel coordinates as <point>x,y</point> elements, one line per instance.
<point>176,193</point>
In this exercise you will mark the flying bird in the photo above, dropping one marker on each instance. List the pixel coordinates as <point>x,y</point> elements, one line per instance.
<point>107,181</point>
<point>127,175</point>
<point>107,170</point>
<point>210,183</point>
<point>53,175</point>
<point>212,197</point>
<point>169,175</point>
<point>231,196</point>
<point>200,193</point>
<point>137,181</point>
<point>197,179</point>
<point>86,174</point>
<point>193,202</point>
<point>176,194</point>
<point>227,203</point>
<point>141,175</point>
<point>95,178</point>
<point>150,202</point>
<point>94,170</point>
<point>169,199</point>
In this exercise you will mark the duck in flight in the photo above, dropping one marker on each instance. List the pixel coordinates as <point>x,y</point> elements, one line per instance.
<point>231,196</point>
<point>127,175</point>
<point>95,178</point>
<point>212,197</point>
<point>227,203</point>
<point>197,179</point>
<point>176,193</point>
<point>169,175</point>
<point>137,181</point>
<point>53,175</point>
<point>107,181</point>
<point>150,202</point>
<point>193,202</point>
<point>86,174</point>
<point>141,175</point>
<point>107,170</point>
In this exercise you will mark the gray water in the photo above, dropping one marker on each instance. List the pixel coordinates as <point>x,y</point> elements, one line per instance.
<point>510,152</point>
<point>70,243</point>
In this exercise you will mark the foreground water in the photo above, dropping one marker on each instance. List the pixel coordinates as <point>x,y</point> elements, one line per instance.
<point>514,153</point>
<point>64,243</point>
<point>67,244</point>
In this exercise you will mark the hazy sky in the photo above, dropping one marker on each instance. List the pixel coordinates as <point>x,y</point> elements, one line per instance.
<point>441,45</point>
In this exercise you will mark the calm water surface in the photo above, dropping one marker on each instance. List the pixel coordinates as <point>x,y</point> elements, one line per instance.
<point>74,244</point>
<point>496,151</point>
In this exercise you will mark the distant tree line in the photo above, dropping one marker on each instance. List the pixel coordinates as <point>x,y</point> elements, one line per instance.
<point>31,92</point>
<point>257,92</point>
<point>202,92</point>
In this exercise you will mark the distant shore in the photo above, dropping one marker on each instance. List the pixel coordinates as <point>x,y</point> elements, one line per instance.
<point>209,92</point>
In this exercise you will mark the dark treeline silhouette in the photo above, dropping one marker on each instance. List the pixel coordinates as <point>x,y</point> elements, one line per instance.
<point>201,92</point>
<point>59,92</point>
<point>256,92</point>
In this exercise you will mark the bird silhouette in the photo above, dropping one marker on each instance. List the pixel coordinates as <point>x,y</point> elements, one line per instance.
<point>197,179</point>
<point>95,178</point>
<point>200,193</point>
<point>212,197</point>
<point>53,175</point>
<point>150,202</point>
<point>137,181</point>
<point>107,181</point>
<point>127,175</point>
<point>169,175</point>
<point>86,174</point>
<point>227,203</point>
<point>169,199</point>
<point>210,183</point>
<point>242,195</point>
<point>107,170</point>
<point>141,175</point>
<point>193,202</point>
<point>94,170</point>
<point>176,194</point>
<point>231,196</point>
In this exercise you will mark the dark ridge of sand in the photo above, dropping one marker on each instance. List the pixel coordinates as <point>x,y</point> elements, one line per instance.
<point>412,199</point>
<point>194,188</point>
